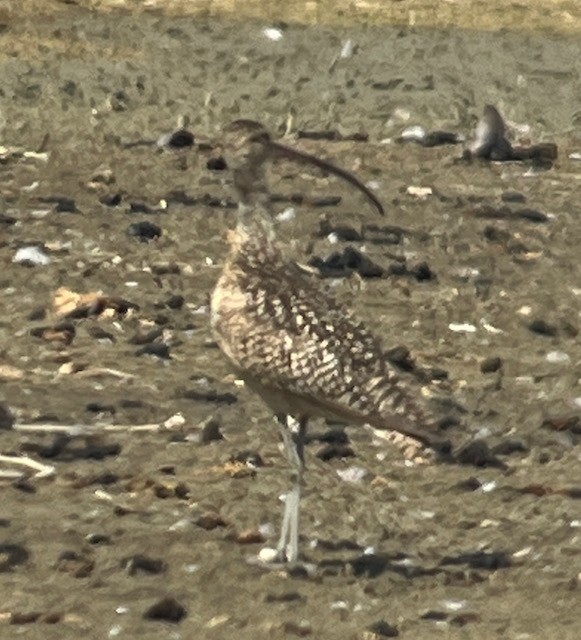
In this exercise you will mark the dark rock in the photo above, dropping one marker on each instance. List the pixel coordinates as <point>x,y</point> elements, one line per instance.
<point>490,365</point>
<point>140,563</point>
<point>12,555</point>
<point>167,609</point>
<point>331,451</point>
<point>470,484</point>
<point>250,458</point>
<point>478,454</point>
<point>216,164</point>
<point>180,139</point>
<point>158,349</point>
<point>438,138</point>
<point>542,328</point>
<point>97,407</point>
<point>144,231</point>
<point>508,447</point>
<point>141,207</point>
<point>343,264</point>
<point>210,431</point>
<point>488,560</point>
<point>146,338</point>
<point>6,417</point>
<point>286,596</point>
<point>62,203</point>
<point>111,200</point>
<point>98,539</point>
<point>383,629</point>
<point>210,396</point>
<point>513,196</point>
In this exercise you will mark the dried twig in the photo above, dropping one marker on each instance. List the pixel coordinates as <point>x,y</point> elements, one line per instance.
<point>42,470</point>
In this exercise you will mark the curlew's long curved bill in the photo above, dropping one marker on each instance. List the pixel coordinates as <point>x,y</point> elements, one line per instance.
<point>282,151</point>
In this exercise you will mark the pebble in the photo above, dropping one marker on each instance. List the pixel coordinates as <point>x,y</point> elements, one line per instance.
<point>144,231</point>
<point>267,554</point>
<point>557,357</point>
<point>490,365</point>
<point>167,609</point>
<point>31,256</point>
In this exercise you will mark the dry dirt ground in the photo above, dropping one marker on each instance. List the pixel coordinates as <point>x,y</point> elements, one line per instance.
<point>147,533</point>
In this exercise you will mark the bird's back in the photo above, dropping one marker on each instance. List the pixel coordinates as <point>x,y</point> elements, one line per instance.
<point>303,351</point>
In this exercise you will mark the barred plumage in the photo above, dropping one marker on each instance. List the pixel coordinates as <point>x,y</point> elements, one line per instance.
<point>291,341</point>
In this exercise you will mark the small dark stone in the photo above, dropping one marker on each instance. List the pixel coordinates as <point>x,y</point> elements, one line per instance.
<point>532,215</point>
<point>62,203</point>
<point>12,555</point>
<point>489,560</point>
<point>98,333</point>
<point>98,539</point>
<point>349,261</point>
<point>331,451</point>
<point>146,338</point>
<point>180,139</point>
<point>175,302</point>
<point>287,596</point>
<point>140,563</point>
<point>97,407</point>
<point>250,458</point>
<point>543,328</point>
<point>470,484</point>
<point>438,138</point>
<point>6,417</point>
<point>437,616</point>
<point>210,520</point>
<point>383,629</point>
<point>144,231</point>
<point>158,349</point>
<point>140,207</point>
<point>39,313</point>
<point>422,272</point>
<point>4,219</point>
<point>24,485</point>
<point>513,196</point>
<point>111,200</point>
<point>216,164</point>
<point>490,365</point>
<point>167,609</point>
<point>210,431</point>
<point>508,447</point>
<point>210,396</point>
<point>325,201</point>
<point>401,357</point>
<point>478,454</point>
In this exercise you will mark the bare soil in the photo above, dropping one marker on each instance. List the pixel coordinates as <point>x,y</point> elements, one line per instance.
<point>131,519</point>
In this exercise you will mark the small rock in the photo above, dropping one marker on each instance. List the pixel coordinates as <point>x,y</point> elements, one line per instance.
<point>490,365</point>
<point>158,349</point>
<point>542,328</point>
<point>31,256</point>
<point>167,609</point>
<point>6,417</point>
<point>140,563</point>
<point>216,164</point>
<point>210,520</point>
<point>249,458</point>
<point>210,431</point>
<point>144,231</point>
<point>180,139</point>
<point>382,629</point>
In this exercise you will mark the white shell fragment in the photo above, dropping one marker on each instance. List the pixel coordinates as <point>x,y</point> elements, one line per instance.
<point>462,327</point>
<point>347,49</point>
<point>288,215</point>
<point>413,134</point>
<point>419,192</point>
<point>267,554</point>
<point>352,474</point>
<point>272,34</point>
<point>557,357</point>
<point>31,255</point>
<point>490,328</point>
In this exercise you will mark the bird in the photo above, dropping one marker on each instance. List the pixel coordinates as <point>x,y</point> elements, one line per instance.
<point>291,341</point>
<point>491,142</point>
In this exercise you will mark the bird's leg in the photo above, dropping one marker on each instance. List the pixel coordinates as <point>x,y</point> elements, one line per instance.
<point>293,434</point>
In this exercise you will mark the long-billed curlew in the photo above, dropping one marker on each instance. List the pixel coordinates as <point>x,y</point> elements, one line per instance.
<point>288,338</point>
